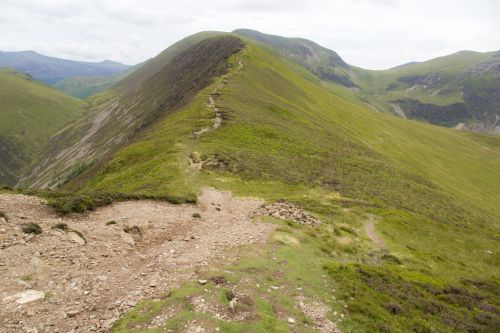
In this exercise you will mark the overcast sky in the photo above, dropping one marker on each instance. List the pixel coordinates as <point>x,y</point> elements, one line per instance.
<point>368,33</point>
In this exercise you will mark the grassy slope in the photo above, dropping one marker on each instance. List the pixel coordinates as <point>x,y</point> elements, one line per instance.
<point>30,112</point>
<point>434,190</point>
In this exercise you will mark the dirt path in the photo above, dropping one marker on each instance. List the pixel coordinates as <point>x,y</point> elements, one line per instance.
<point>211,102</point>
<point>86,284</point>
<point>372,234</point>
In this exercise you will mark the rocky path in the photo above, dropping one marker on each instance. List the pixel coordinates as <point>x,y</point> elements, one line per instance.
<point>83,278</point>
<point>217,119</point>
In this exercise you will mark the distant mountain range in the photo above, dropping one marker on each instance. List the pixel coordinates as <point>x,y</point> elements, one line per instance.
<point>52,70</point>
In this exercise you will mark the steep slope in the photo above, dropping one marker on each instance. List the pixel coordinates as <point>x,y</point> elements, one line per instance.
<point>265,126</point>
<point>459,89</point>
<point>51,70</point>
<point>30,112</point>
<point>136,102</point>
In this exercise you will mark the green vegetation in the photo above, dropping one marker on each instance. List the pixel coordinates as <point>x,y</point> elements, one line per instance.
<point>287,135</point>
<point>32,228</point>
<point>30,112</point>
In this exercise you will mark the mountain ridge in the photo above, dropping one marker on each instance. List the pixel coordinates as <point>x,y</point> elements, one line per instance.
<point>382,224</point>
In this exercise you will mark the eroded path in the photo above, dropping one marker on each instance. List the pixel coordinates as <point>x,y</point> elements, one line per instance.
<point>86,284</point>
<point>372,234</point>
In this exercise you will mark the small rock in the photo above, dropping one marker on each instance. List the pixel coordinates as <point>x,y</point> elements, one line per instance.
<point>2,220</point>
<point>291,320</point>
<point>109,323</point>
<point>76,238</point>
<point>127,238</point>
<point>72,313</point>
<point>202,282</point>
<point>489,252</point>
<point>26,296</point>
<point>39,267</point>
<point>232,304</point>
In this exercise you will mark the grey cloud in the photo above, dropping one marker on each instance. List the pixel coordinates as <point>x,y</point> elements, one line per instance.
<point>367,33</point>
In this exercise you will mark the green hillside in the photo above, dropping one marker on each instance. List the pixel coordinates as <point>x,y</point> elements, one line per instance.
<point>287,135</point>
<point>30,112</point>
<point>460,88</point>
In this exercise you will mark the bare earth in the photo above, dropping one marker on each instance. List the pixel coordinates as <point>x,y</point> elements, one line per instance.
<point>372,234</point>
<point>60,282</point>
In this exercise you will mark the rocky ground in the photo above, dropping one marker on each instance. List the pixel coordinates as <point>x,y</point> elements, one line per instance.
<point>288,211</point>
<point>83,271</point>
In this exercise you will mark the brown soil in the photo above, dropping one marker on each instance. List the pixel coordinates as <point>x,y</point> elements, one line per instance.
<point>85,277</point>
<point>372,234</point>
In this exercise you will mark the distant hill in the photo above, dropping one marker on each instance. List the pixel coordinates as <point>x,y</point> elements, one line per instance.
<point>86,86</point>
<point>30,112</point>
<point>52,70</point>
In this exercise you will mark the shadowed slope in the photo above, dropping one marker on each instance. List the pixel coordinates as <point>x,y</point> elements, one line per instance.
<point>117,115</point>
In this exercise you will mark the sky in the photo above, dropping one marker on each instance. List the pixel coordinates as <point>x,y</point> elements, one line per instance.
<point>374,34</point>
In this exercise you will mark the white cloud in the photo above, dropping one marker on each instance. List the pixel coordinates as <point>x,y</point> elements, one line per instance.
<point>367,33</point>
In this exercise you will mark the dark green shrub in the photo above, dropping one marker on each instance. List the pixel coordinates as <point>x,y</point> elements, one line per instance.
<point>32,228</point>
<point>110,222</point>
<point>72,204</point>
